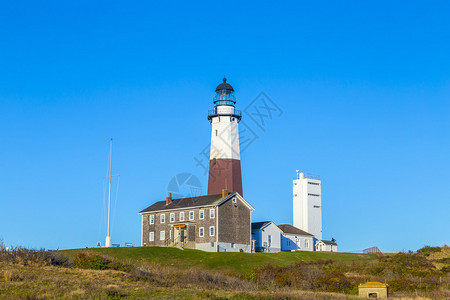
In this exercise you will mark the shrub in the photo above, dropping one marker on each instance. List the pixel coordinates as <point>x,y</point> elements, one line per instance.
<point>426,250</point>
<point>94,261</point>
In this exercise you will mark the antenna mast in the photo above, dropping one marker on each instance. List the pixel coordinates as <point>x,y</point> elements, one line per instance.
<point>108,237</point>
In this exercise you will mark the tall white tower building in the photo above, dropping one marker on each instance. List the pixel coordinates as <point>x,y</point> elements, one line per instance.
<point>308,204</point>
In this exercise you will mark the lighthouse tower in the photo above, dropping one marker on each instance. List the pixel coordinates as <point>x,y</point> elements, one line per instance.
<point>225,159</point>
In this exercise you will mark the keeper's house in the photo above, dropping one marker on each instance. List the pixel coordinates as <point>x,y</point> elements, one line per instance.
<point>215,223</point>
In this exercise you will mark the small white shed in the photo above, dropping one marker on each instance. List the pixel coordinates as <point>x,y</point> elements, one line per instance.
<point>267,236</point>
<point>328,246</point>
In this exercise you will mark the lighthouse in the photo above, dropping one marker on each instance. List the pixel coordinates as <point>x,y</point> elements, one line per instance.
<point>225,159</point>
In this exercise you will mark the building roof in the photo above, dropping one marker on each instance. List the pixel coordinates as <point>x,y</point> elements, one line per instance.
<point>286,228</point>
<point>329,242</point>
<point>207,200</point>
<point>259,225</point>
<point>373,284</point>
<point>224,86</point>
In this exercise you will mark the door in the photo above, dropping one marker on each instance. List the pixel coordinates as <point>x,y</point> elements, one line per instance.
<point>182,235</point>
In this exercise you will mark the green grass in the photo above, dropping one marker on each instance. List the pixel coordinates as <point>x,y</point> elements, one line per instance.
<point>224,262</point>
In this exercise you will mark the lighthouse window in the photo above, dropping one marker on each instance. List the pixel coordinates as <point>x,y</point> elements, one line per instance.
<point>314,195</point>
<point>152,219</point>
<point>202,214</point>
<point>216,132</point>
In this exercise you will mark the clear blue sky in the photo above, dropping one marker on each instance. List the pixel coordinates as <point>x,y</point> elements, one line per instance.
<point>364,87</point>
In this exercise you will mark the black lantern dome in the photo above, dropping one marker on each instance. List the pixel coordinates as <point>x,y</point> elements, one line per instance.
<point>224,94</point>
<point>224,102</point>
<point>224,86</point>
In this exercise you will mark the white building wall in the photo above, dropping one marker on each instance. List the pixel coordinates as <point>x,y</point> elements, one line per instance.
<point>225,137</point>
<point>262,238</point>
<point>307,205</point>
<point>291,242</point>
<point>326,248</point>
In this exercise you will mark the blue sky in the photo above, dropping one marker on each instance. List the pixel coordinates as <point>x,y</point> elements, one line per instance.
<point>363,86</point>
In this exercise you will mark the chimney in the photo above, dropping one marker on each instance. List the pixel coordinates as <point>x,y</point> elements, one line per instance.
<point>224,193</point>
<point>169,199</point>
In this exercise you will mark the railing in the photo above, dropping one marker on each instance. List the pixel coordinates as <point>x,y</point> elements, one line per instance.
<point>307,175</point>
<point>213,113</point>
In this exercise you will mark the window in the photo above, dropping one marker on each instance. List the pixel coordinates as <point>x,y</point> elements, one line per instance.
<point>201,232</point>
<point>212,213</point>
<point>151,236</point>
<point>234,200</point>
<point>314,195</point>
<point>216,132</point>
<point>152,219</point>
<point>211,230</point>
<point>233,245</point>
<point>182,216</point>
<point>306,243</point>
<point>162,235</point>
<point>172,217</point>
<point>212,244</point>
<point>202,214</point>
<point>191,215</point>
<point>313,183</point>
<point>316,206</point>
<point>269,238</point>
<point>163,218</point>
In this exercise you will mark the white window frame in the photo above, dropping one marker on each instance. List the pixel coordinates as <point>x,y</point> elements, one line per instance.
<point>182,216</point>
<point>162,218</point>
<point>213,231</point>
<point>162,235</point>
<point>212,213</point>
<point>152,219</point>
<point>201,232</point>
<point>201,214</point>
<point>172,217</point>
<point>191,215</point>
<point>151,236</point>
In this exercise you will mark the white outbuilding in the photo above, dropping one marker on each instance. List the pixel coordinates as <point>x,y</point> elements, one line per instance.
<point>266,236</point>
<point>295,239</point>
<point>328,246</point>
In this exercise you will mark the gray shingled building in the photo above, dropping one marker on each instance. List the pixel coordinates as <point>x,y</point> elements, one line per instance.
<point>216,223</point>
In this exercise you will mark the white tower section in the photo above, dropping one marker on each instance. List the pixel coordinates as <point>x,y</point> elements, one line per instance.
<point>308,204</point>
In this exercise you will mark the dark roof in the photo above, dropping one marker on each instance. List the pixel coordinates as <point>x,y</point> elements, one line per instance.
<point>224,86</point>
<point>259,225</point>
<point>286,228</point>
<point>185,202</point>
<point>329,243</point>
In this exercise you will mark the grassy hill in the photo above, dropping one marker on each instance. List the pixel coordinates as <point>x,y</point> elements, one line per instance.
<point>170,273</point>
<point>237,263</point>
